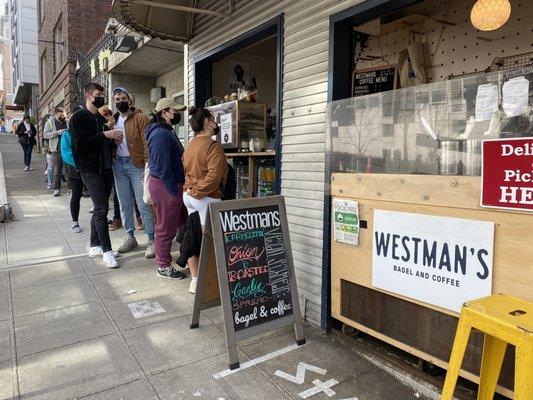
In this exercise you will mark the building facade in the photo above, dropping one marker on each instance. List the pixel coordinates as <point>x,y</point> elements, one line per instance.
<point>24,56</point>
<point>67,32</point>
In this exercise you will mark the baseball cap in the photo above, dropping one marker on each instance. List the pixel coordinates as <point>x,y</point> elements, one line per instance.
<point>121,90</point>
<point>167,102</point>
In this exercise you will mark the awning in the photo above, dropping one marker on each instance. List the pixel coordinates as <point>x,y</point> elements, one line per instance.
<point>162,19</point>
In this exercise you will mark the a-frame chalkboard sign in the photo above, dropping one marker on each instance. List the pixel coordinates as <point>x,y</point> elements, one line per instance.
<point>247,243</point>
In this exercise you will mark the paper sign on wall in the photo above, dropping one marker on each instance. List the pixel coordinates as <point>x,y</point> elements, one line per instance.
<point>486,101</point>
<point>226,125</point>
<point>438,260</point>
<point>515,96</point>
<point>346,221</point>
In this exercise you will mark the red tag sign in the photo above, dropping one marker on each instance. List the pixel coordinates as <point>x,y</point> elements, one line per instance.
<point>507,180</point>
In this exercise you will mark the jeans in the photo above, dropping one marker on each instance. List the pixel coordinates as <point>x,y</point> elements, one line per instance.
<point>49,169</point>
<point>99,186</point>
<point>57,165</point>
<point>128,177</point>
<point>169,219</point>
<point>27,148</point>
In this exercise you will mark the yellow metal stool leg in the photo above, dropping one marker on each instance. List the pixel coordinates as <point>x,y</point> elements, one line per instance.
<point>491,365</point>
<point>523,382</point>
<point>456,359</point>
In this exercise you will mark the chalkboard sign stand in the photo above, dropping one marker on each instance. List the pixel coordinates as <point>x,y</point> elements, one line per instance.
<point>205,298</point>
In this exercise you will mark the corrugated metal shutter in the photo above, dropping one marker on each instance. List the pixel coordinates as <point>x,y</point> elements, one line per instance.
<point>305,68</point>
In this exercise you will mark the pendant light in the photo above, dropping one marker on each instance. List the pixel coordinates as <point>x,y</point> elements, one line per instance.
<point>488,15</point>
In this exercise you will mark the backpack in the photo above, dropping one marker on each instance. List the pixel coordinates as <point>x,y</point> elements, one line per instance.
<point>229,190</point>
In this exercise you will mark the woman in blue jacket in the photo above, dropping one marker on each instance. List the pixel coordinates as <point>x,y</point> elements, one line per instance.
<point>74,177</point>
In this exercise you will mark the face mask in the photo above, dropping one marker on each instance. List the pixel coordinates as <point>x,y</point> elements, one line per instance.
<point>216,129</point>
<point>123,106</point>
<point>176,119</point>
<point>98,101</point>
<point>62,119</point>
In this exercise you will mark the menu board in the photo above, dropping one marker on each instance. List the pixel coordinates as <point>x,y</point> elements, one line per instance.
<point>373,81</point>
<point>249,240</point>
<point>258,276</point>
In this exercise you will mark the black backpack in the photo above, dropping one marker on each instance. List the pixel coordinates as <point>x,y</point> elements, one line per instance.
<point>229,191</point>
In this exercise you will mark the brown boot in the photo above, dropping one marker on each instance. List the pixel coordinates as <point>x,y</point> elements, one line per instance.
<point>116,224</point>
<point>138,224</point>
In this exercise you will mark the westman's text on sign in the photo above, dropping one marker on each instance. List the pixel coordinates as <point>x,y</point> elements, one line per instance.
<point>508,174</point>
<point>438,260</point>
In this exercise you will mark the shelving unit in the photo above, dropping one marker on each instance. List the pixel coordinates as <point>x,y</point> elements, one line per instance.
<point>255,173</point>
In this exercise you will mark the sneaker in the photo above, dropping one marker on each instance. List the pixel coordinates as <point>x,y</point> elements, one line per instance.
<point>49,186</point>
<point>95,251</point>
<point>128,245</point>
<point>150,250</point>
<point>116,224</point>
<point>26,169</point>
<point>138,224</point>
<point>76,228</point>
<point>109,259</point>
<point>169,272</point>
<point>30,168</point>
<point>57,193</point>
<point>192,287</point>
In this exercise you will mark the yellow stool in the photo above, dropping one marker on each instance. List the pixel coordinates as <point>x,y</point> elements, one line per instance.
<point>504,320</point>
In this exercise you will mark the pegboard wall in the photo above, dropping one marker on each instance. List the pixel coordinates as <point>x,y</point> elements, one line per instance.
<point>452,46</point>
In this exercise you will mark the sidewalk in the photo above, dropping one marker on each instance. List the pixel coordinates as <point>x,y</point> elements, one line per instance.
<point>68,331</point>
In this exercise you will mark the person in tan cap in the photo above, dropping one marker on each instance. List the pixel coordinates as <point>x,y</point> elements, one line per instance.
<point>166,181</point>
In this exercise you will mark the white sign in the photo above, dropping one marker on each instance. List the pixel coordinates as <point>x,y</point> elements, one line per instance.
<point>145,308</point>
<point>346,221</point>
<point>515,96</point>
<point>438,260</point>
<point>226,126</point>
<point>486,101</point>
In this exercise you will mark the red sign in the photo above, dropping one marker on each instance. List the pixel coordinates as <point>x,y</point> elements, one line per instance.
<point>507,180</point>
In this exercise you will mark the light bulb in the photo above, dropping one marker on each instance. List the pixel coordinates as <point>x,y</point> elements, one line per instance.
<point>488,15</point>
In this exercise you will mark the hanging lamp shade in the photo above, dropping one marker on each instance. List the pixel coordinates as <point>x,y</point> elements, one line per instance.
<point>488,15</point>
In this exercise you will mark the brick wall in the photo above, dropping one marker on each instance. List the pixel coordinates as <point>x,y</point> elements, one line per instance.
<point>84,23</point>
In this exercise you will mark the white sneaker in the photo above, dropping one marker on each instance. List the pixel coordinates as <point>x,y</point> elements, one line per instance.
<point>76,228</point>
<point>109,260</point>
<point>95,251</point>
<point>192,287</point>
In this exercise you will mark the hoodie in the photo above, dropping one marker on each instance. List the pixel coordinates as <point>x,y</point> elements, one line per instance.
<point>164,153</point>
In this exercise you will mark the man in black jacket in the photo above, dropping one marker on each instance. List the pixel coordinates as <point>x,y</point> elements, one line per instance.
<point>26,132</point>
<point>92,146</point>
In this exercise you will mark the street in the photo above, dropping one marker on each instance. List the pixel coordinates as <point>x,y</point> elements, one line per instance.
<point>72,329</point>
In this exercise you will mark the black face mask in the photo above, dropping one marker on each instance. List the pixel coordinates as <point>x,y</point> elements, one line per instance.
<point>216,129</point>
<point>123,106</point>
<point>176,119</point>
<point>98,101</point>
<point>61,119</point>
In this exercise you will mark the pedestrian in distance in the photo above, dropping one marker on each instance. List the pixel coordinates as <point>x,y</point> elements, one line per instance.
<point>166,180</point>
<point>92,146</point>
<point>128,169</point>
<point>73,175</point>
<point>206,172</point>
<point>53,130</point>
<point>27,133</point>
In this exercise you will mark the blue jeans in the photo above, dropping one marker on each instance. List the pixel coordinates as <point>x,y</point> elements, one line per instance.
<point>27,148</point>
<point>128,177</point>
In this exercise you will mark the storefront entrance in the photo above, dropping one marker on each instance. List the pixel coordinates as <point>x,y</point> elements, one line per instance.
<point>240,82</point>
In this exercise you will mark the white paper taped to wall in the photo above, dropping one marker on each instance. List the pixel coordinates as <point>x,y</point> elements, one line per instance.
<point>515,96</point>
<point>486,101</point>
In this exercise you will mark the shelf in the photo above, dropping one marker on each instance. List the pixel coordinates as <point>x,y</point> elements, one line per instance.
<point>250,154</point>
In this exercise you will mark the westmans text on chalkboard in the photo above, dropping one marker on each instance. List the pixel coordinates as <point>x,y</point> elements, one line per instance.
<point>373,81</point>
<point>257,271</point>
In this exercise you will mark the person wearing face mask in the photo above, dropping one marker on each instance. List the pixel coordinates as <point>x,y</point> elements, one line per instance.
<point>53,129</point>
<point>166,181</point>
<point>128,169</point>
<point>206,172</point>
<point>26,132</point>
<point>92,145</point>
